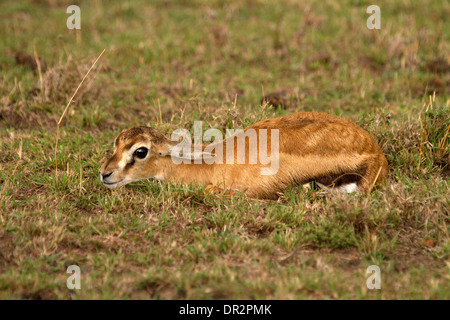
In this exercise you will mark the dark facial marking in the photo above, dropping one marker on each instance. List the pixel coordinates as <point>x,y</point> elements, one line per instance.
<point>129,165</point>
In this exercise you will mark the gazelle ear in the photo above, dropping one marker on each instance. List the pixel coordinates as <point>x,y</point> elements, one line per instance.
<point>187,152</point>
<point>115,140</point>
<point>198,155</point>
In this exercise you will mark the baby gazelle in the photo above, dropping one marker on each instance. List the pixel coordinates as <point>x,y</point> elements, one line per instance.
<point>306,146</point>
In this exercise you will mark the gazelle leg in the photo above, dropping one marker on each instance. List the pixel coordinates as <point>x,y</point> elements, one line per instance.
<point>211,189</point>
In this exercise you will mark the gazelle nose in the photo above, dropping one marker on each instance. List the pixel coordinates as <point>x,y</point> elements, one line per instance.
<point>106,175</point>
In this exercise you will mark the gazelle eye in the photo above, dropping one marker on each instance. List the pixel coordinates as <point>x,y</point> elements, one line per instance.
<point>141,153</point>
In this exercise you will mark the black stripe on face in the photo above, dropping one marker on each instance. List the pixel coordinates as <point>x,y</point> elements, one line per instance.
<point>129,165</point>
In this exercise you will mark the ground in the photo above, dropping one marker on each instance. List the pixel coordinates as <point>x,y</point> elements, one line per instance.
<point>169,63</point>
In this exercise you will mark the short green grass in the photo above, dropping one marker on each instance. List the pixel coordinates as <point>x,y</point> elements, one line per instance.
<point>169,63</point>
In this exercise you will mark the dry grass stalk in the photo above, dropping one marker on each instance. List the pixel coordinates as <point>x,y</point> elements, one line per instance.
<point>67,107</point>
<point>424,128</point>
<point>38,63</point>
<point>442,149</point>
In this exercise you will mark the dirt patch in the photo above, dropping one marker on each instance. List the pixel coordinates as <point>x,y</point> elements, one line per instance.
<point>173,91</point>
<point>444,163</point>
<point>372,64</point>
<point>312,256</point>
<point>21,120</point>
<point>429,86</point>
<point>34,92</point>
<point>38,295</point>
<point>30,62</point>
<point>321,58</point>
<point>438,66</point>
<point>437,85</point>
<point>24,193</point>
<point>6,246</point>
<point>284,98</point>
<point>158,288</point>
<point>406,257</point>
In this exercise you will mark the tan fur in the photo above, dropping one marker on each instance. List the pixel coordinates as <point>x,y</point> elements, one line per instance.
<point>312,147</point>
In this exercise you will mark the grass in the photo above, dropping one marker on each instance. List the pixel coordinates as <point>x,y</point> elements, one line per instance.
<point>169,63</point>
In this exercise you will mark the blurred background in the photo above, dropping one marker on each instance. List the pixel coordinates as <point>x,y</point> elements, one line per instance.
<point>205,56</point>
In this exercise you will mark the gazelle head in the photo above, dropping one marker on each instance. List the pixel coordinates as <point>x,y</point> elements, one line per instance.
<point>137,155</point>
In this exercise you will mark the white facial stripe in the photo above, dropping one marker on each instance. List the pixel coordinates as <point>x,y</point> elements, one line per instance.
<point>115,144</point>
<point>123,162</point>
